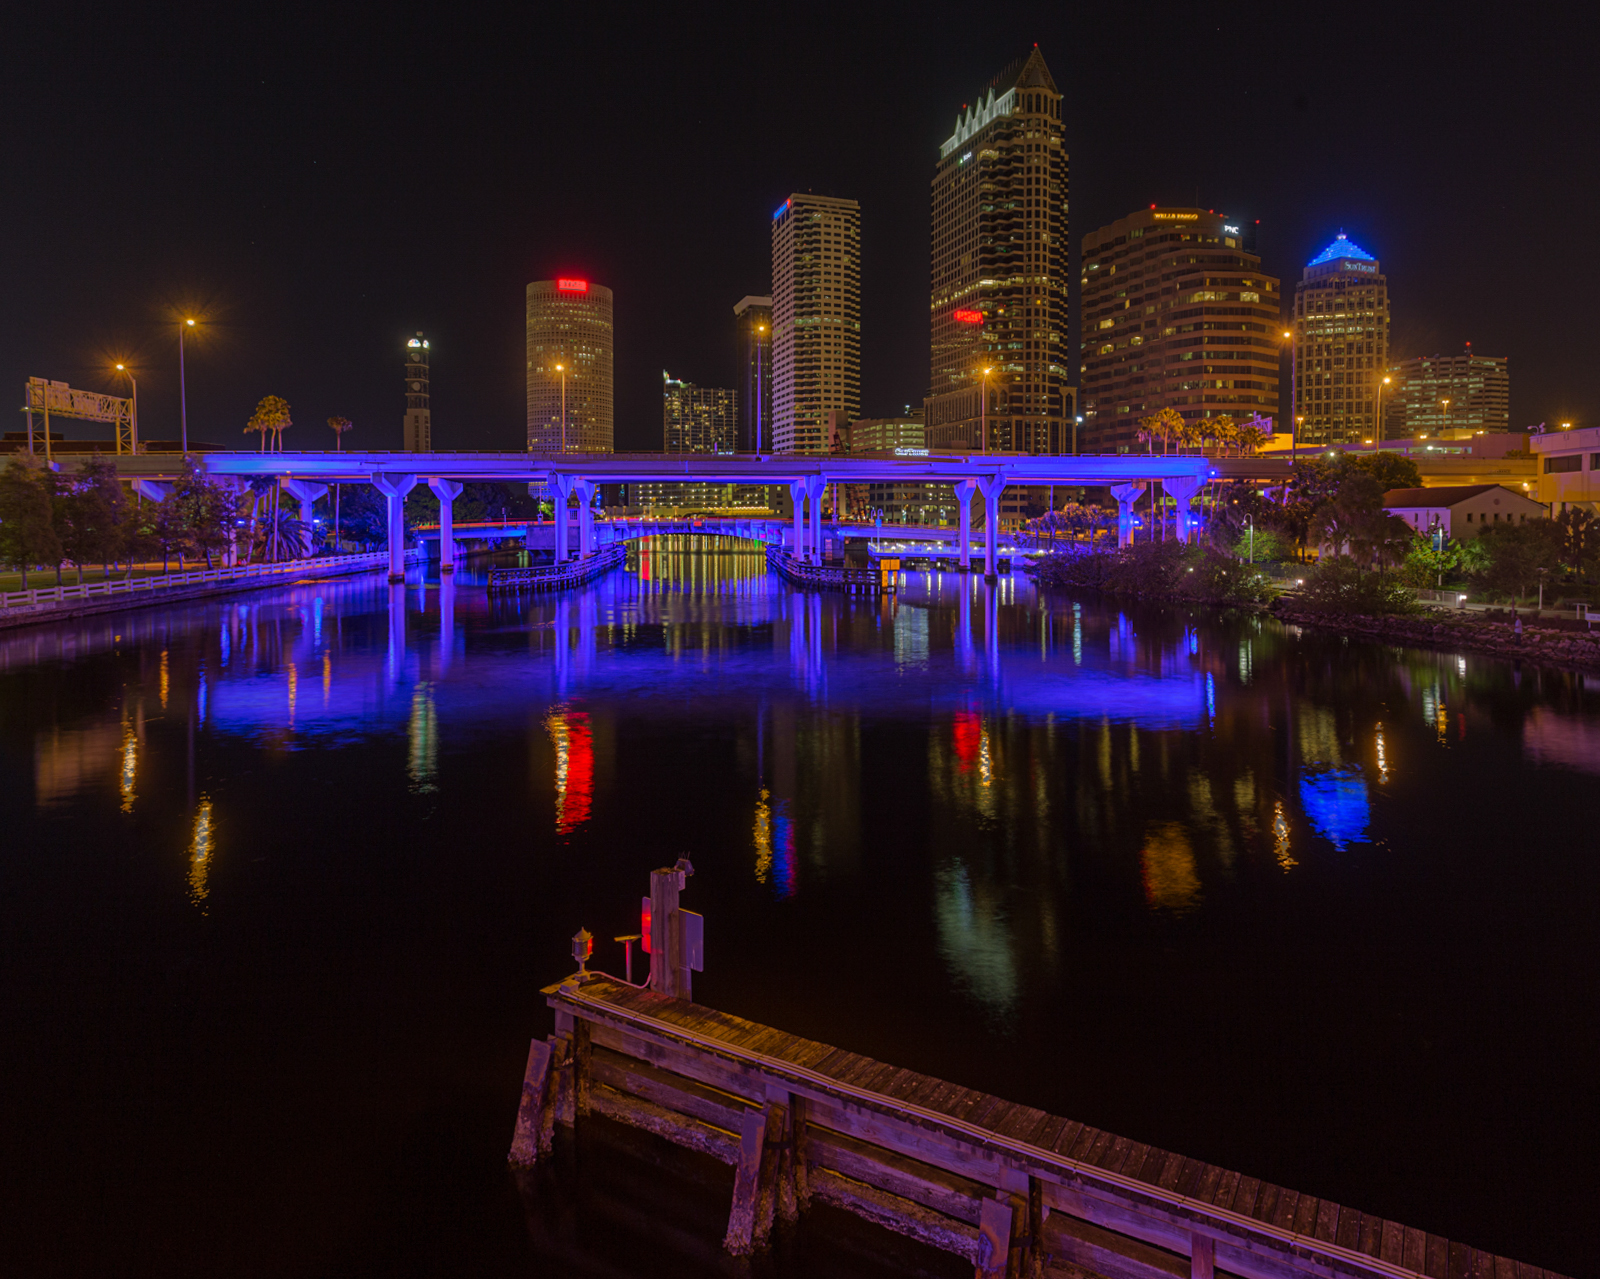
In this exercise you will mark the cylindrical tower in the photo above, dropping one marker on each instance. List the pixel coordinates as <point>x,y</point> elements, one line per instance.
<point>419,417</point>
<point>569,340</point>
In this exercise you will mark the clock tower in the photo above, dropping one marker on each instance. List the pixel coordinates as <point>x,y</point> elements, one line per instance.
<point>419,418</point>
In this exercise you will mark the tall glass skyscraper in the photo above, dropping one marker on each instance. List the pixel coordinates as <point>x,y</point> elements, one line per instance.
<point>570,344</point>
<point>1341,345</point>
<point>999,271</point>
<point>816,319</point>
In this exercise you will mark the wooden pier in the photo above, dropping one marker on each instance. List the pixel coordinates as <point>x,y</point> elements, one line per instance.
<point>1017,1192</point>
<point>556,577</point>
<point>870,581</point>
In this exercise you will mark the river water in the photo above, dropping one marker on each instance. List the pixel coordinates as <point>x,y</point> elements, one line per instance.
<point>283,873</point>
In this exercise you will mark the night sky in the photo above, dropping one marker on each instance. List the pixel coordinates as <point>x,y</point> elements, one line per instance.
<point>319,182</point>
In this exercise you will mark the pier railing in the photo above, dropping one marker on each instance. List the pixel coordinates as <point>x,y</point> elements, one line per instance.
<point>154,585</point>
<point>555,577</point>
<point>871,581</point>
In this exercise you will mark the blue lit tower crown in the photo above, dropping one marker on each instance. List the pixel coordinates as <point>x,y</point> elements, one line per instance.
<point>1341,345</point>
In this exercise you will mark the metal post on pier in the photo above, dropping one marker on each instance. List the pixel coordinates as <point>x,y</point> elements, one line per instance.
<point>675,937</point>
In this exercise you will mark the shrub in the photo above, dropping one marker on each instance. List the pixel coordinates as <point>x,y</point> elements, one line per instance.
<point>1162,570</point>
<point>1341,586</point>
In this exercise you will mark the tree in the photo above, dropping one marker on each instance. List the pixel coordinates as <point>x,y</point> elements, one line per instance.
<point>1576,534</point>
<point>1514,553</point>
<point>27,533</point>
<point>1391,470</point>
<point>271,416</point>
<point>1223,431</point>
<point>204,512</point>
<point>95,509</point>
<point>366,516</point>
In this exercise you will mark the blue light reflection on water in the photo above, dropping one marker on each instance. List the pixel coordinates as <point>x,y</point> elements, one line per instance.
<point>1335,803</point>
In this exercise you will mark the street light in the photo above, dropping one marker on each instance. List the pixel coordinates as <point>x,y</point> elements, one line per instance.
<point>562,369</point>
<point>1076,423</point>
<point>133,426</point>
<point>983,410</point>
<point>183,393</point>
<point>1445,426</point>
<point>1377,420</point>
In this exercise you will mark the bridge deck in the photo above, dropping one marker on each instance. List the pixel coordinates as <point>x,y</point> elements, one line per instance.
<point>1012,1188</point>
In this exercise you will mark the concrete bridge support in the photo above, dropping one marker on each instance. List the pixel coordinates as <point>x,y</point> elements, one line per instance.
<point>584,489</point>
<point>562,485</point>
<point>306,493</point>
<point>1126,495</point>
<point>991,490</point>
<point>446,491</point>
<point>964,491</point>
<point>816,486</point>
<point>1181,491</point>
<point>394,488</point>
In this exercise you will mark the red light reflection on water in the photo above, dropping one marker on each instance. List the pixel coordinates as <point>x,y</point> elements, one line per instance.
<point>569,732</point>
<point>967,727</point>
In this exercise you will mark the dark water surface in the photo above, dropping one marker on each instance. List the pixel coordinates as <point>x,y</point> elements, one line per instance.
<point>281,876</point>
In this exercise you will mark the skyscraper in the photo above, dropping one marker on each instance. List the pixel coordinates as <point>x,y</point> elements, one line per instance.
<point>419,417</point>
<point>1176,313</point>
<point>569,360</point>
<point>1341,344</point>
<point>753,316</point>
<point>1432,394</point>
<point>697,419</point>
<point>999,271</point>
<point>816,319</point>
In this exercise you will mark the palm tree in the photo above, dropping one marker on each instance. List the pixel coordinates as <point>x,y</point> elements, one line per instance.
<point>338,425</point>
<point>1224,432</point>
<point>271,415</point>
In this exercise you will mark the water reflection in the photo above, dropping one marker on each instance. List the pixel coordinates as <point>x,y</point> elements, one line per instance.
<point>975,938</point>
<point>1335,803</point>
<point>422,734</point>
<point>200,855</point>
<point>574,767</point>
<point>1171,880</point>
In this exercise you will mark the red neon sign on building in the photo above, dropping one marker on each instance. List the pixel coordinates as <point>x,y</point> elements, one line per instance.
<point>573,286</point>
<point>969,317</point>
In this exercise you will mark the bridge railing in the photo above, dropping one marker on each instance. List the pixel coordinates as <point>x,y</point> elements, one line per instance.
<point>46,595</point>
<point>799,573</point>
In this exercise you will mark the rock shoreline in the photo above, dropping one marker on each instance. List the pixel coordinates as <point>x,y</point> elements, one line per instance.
<point>1577,649</point>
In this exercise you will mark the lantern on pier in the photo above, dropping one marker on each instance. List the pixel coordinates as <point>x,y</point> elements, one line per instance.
<point>582,948</point>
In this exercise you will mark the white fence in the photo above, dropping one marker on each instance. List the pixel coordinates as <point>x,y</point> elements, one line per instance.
<point>14,601</point>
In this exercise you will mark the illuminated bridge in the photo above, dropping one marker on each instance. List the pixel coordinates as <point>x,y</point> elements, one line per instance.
<point>306,475</point>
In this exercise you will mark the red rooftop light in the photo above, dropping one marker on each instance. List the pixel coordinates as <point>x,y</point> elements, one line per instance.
<point>969,317</point>
<point>573,286</point>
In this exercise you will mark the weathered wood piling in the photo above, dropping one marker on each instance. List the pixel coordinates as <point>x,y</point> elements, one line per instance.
<point>1017,1192</point>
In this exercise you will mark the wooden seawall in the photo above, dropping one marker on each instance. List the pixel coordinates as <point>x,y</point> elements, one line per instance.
<point>1018,1192</point>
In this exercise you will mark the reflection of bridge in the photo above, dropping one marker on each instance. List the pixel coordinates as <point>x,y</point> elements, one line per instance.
<point>306,476</point>
<point>898,541</point>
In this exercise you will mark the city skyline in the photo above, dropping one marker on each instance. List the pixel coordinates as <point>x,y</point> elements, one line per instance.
<point>307,298</point>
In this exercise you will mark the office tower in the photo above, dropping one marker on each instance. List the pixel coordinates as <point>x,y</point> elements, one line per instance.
<point>886,434</point>
<point>569,367</point>
<point>1434,394</point>
<point>753,317</point>
<point>697,419</point>
<point>1176,313</point>
<point>999,271</point>
<point>816,319</point>
<point>419,417</point>
<point>1341,345</point>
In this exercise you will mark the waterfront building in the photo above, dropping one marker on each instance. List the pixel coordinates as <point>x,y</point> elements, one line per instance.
<point>1340,341</point>
<point>1176,313</point>
<point>697,419</point>
<point>1462,510</point>
<point>816,319</point>
<point>1568,464</point>
<point>569,367</point>
<point>753,318</point>
<point>998,298</point>
<point>418,433</point>
<point>1435,395</point>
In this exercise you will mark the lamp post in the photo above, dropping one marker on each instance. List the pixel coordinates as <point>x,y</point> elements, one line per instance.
<point>755,422</point>
<point>183,391</point>
<point>562,369</point>
<point>1444,408</point>
<point>1077,421</point>
<point>983,410</point>
<point>133,425</point>
<point>1294,392</point>
<point>1377,421</point>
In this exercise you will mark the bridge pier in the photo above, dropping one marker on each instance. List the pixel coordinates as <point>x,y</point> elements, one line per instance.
<point>797,497</point>
<point>563,485</point>
<point>991,488</point>
<point>1126,495</point>
<point>446,491</point>
<point>306,493</point>
<point>1181,491</point>
<point>585,493</point>
<point>964,491</point>
<point>394,488</point>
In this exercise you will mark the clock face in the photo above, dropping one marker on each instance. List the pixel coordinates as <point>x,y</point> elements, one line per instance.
<point>416,386</point>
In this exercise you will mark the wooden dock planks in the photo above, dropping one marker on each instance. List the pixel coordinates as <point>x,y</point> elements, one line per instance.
<point>1012,1188</point>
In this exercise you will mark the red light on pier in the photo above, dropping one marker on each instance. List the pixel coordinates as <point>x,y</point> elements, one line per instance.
<point>572,286</point>
<point>969,317</point>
